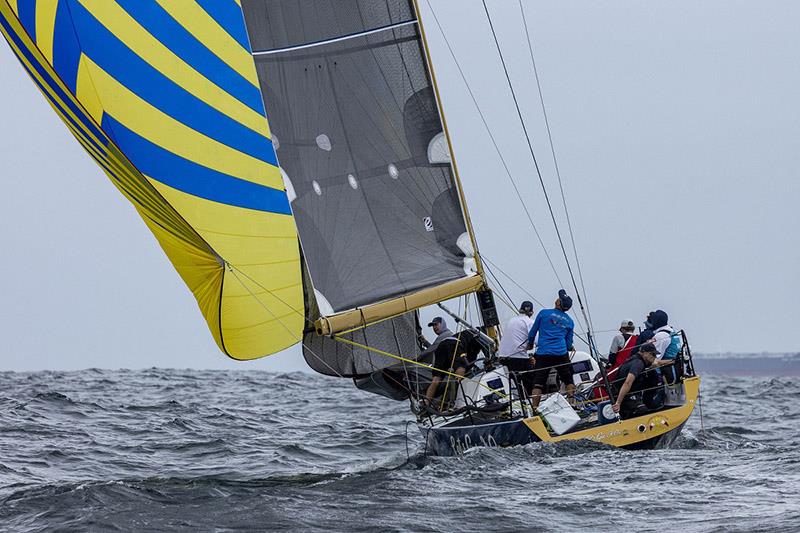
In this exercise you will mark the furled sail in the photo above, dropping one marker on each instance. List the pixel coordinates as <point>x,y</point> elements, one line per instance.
<point>366,161</point>
<point>163,94</point>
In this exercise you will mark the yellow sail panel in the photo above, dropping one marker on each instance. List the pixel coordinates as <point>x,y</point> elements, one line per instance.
<point>182,134</point>
<point>199,270</point>
<point>45,26</point>
<point>259,287</point>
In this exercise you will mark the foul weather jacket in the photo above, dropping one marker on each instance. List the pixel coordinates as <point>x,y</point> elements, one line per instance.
<point>555,330</point>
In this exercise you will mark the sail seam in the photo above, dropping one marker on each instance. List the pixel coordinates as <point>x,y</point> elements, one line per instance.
<point>323,42</point>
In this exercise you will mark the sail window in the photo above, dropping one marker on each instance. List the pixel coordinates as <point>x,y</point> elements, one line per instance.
<point>317,188</point>
<point>324,306</point>
<point>438,150</point>
<point>393,172</point>
<point>352,181</point>
<point>464,244</point>
<point>287,183</point>
<point>324,142</point>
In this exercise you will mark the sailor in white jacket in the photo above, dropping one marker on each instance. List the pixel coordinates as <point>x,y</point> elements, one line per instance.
<point>663,331</point>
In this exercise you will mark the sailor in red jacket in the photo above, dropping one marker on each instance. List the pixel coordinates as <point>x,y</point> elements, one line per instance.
<point>622,344</point>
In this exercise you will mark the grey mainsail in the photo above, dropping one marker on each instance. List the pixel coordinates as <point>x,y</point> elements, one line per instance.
<point>358,134</point>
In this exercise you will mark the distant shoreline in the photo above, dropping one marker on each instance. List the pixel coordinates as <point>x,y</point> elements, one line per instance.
<point>750,364</point>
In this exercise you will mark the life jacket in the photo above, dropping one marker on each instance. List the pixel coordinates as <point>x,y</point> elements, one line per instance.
<point>672,373</point>
<point>674,346</point>
<point>621,357</point>
<point>625,353</point>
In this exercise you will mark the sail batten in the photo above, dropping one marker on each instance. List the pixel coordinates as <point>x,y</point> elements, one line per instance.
<point>332,40</point>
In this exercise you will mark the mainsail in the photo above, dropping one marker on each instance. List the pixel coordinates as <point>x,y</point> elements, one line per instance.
<point>365,157</point>
<point>163,94</point>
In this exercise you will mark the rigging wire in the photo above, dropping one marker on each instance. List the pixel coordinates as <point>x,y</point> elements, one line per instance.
<point>555,162</point>
<point>459,328</point>
<point>233,270</point>
<point>535,162</point>
<point>417,363</point>
<point>500,285</point>
<point>236,271</point>
<point>509,301</point>
<point>508,173</point>
<point>532,297</point>
<point>494,142</point>
<point>512,280</point>
<point>507,170</point>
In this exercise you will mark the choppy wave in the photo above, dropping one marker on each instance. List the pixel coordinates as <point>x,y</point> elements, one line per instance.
<point>182,449</point>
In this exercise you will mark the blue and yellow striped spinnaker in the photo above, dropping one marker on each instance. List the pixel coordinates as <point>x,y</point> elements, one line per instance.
<point>163,95</point>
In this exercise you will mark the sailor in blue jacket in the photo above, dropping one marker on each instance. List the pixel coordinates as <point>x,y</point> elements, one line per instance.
<point>555,329</point>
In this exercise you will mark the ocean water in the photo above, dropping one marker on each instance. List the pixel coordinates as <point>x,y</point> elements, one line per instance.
<point>220,451</point>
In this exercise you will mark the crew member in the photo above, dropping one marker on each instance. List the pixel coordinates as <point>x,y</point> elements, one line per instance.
<point>513,349</point>
<point>452,357</point>
<point>656,321</point>
<point>622,344</point>
<point>441,331</point>
<point>662,331</point>
<point>632,378</point>
<point>554,328</point>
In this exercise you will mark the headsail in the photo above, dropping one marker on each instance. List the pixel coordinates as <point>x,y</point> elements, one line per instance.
<point>365,157</point>
<point>163,95</point>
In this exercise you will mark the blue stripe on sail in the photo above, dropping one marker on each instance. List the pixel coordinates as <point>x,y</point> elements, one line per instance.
<point>51,83</point>
<point>171,34</point>
<point>229,15</point>
<point>26,12</point>
<point>133,72</point>
<point>191,178</point>
<point>66,48</point>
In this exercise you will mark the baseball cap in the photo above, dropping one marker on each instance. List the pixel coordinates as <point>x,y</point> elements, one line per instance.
<point>437,320</point>
<point>627,324</point>
<point>566,301</point>
<point>649,347</point>
<point>526,306</point>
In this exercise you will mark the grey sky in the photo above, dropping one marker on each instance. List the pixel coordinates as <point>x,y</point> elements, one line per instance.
<point>677,128</point>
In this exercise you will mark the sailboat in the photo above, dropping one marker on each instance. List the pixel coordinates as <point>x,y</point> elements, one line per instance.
<point>293,161</point>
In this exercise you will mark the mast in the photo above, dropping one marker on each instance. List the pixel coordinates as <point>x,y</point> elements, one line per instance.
<point>456,175</point>
<point>485,298</point>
